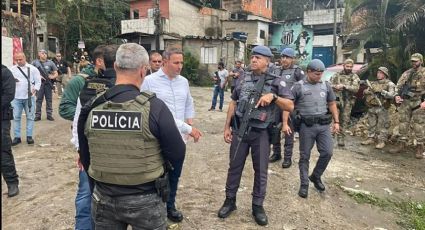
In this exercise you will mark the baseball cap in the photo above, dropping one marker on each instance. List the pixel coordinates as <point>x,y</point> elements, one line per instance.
<point>417,57</point>
<point>316,65</point>
<point>349,61</point>
<point>289,52</point>
<point>262,50</point>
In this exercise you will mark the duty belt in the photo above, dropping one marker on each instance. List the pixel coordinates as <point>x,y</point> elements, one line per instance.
<point>319,119</point>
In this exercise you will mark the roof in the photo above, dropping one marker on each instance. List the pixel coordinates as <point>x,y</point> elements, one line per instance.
<point>209,38</point>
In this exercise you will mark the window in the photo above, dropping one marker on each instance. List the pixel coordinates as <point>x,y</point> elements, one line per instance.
<point>135,14</point>
<point>268,3</point>
<point>209,55</point>
<point>262,34</point>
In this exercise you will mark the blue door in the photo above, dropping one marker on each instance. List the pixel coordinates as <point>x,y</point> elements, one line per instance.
<point>324,54</point>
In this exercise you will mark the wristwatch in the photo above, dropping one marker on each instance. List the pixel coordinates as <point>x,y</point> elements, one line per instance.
<point>274,97</point>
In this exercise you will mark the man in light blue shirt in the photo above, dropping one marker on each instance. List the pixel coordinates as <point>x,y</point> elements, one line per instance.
<point>173,89</point>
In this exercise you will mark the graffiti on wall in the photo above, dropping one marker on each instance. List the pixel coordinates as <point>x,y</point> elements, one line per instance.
<point>294,35</point>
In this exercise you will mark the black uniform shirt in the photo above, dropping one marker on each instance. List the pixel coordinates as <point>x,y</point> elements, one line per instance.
<point>8,87</point>
<point>62,66</point>
<point>161,125</point>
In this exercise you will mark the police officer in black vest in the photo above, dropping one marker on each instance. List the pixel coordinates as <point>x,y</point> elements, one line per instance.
<point>315,108</point>
<point>290,73</point>
<point>125,138</point>
<point>8,169</point>
<point>271,94</point>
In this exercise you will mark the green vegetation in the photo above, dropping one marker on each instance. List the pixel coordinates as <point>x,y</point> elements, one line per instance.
<point>190,69</point>
<point>412,214</point>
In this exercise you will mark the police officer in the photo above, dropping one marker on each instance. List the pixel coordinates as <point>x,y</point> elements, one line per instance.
<point>127,190</point>
<point>273,94</point>
<point>64,73</point>
<point>379,97</point>
<point>8,169</point>
<point>290,73</point>
<point>345,84</point>
<point>313,100</point>
<point>410,96</point>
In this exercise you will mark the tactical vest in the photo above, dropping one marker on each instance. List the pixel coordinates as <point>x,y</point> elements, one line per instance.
<point>288,75</point>
<point>418,82</point>
<point>94,86</point>
<point>344,79</point>
<point>248,86</point>
<point>123,151</point>
<point>313,100</point>
<point>379,85</point>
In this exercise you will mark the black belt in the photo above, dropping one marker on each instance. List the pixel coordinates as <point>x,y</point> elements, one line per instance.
<point>99,196</point>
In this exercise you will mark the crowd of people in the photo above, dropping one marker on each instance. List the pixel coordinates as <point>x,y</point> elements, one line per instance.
<point>143,98</point>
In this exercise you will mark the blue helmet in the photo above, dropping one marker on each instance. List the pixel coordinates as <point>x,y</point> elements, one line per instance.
<point>289,52</point>
<point>262,50</point>
<point>316,65</point>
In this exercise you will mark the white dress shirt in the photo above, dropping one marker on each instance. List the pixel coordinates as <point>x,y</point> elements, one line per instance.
<point>21,91</point>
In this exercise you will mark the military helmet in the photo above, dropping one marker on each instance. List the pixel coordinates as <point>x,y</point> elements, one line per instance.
<point>384,70</point>
<point>262,50</point>
<point>289,52</point>
<point>417,57</point>
<point>316,65</point>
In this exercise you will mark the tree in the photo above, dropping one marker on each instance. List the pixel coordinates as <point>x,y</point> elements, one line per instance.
<point>288,9</point>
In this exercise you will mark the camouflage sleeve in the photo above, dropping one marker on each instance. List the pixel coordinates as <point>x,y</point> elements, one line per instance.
<point>334,80</point>
<point>391,90</point>
<point>401,82</point>
<point>355,84</point>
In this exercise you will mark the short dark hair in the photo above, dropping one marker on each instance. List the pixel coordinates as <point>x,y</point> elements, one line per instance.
<point>167,53</point>
<point>107,53</point>
<point>154,52</point>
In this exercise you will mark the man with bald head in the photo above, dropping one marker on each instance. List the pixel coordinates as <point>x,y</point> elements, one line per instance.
<point>28,82</point>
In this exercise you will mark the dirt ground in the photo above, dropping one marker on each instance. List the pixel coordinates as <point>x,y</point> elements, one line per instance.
<point>48,182</point>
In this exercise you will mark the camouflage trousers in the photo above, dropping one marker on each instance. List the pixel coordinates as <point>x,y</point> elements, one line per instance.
<point>412,123</point>
<point>344,110</point>
<point>378,123</point>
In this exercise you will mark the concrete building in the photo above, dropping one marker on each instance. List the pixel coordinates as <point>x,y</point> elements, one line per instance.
<point>319,16</point>
<point>158,24</point>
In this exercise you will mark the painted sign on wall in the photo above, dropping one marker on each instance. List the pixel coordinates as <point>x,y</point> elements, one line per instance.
<point>294,35</point>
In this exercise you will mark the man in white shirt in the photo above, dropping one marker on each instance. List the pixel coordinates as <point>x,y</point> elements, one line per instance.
<point>28,81</point>
<point>173,89</point>
<point>221,80</point>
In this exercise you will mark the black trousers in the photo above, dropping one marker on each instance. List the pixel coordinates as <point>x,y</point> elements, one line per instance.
<point>45,92</point>
<point>8,169</point>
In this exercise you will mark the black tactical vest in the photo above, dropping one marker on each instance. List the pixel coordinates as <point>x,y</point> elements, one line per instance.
<point>248,86</point>
<point>94,86</point>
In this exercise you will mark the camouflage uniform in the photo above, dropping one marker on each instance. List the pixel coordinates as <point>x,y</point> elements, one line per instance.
<point>378,115</point>
<point>345,98</point>
<point>412,122</point>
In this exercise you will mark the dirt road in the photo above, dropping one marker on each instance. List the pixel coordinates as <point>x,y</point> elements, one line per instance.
<point>396,183</point>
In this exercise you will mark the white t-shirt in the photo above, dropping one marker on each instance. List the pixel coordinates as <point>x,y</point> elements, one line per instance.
<point>21,91</point>
<point>222,74</point>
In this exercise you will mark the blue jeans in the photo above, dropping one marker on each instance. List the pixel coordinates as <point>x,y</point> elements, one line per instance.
<point>19,105</point>
<point>83,219</point>
<point>217,91</point>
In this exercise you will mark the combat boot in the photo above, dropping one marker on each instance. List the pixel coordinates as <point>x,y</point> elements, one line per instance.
<point>259,214</point>
<point>368,141</point>
<point>286,163</point>
<point>380,145</point>
<point>318,184</point>
<point>12,190</point>
<point>303,192</point>
<point>228,207</point>
<point>275,157</point>
<point>419,152</point>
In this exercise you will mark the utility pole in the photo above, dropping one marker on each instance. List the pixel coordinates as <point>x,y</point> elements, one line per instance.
<point>19,8</point>
<point>79,23</point>
<point>157,23</point>
<point>334,37</point>
<point>34,30</point>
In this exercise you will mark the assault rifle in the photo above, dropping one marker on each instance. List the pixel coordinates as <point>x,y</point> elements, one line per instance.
<point>250,111</point>
<point>373,93</point>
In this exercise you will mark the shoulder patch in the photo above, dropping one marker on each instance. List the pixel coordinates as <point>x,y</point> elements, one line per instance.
<point>116,120</point>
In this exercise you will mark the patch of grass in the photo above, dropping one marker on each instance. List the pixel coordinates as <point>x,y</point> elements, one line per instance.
<point>412,213</point>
